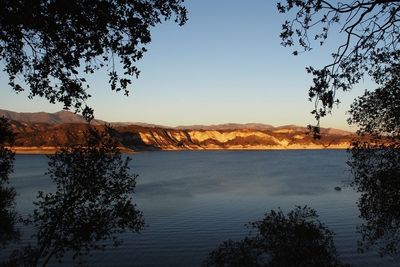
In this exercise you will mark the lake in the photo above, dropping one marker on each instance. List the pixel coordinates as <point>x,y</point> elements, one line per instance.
<point>194,200</point>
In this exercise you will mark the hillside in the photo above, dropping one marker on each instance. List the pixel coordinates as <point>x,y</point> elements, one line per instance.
<point>44,117</point>
<point>40,137</point>
<point>47,133</point>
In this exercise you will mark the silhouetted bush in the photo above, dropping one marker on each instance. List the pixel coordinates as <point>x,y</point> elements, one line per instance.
<point>296,239</point>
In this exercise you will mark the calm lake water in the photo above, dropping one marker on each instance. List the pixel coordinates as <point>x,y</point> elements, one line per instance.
<point>192,201</point>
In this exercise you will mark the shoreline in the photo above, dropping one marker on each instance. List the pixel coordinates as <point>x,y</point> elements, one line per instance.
<point>124,150</point>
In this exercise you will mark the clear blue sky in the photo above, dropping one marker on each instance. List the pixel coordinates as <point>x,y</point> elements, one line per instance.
<point>225,65</point>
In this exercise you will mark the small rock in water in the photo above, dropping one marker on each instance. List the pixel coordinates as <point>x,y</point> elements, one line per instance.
<point>337,188</point>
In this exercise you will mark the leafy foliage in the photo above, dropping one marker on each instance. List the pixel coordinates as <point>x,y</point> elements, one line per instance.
<point>376,162</point>
<point>93,201</point>
<point>377,113</point>
<point>6,155</point>
<point>8,215</point>
<point>296,239</point>
<point>371,34</point>
<point>376,168</point>
<point>52,45</point>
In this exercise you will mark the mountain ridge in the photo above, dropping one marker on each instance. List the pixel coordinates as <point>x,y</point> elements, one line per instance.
<point>58,117</point>
<point>54,130</point>
<point>64,116</point>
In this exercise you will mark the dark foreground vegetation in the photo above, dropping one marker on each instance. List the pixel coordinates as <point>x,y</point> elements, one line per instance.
<point>47,48</point>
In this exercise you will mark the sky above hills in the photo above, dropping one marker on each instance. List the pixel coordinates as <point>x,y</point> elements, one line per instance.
<point>225,65</point>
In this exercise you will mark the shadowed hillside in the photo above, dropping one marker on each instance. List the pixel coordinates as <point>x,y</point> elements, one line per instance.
<point>44,132</point>
<point>42,137</point>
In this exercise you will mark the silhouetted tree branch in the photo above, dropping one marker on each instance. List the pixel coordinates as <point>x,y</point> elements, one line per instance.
<point>377,113</point>
<point>51,45</point>
<point>370,29</point>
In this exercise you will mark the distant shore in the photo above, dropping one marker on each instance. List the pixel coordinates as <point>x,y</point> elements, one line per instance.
<point>47,136</point>
<point>52,150</point>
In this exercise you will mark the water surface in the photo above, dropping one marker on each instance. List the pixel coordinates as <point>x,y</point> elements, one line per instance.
<point>194,200</point>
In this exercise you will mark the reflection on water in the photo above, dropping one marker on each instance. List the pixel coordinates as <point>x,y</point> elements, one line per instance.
<point>243,172</point>
<point>193,201</point>
<point>377,177</point>
<point>296,239</point>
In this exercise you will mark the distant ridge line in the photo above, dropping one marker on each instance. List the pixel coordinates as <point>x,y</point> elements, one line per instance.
<point>64,116</point>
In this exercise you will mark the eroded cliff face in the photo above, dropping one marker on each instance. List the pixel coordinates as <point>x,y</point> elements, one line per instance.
<point>237,139</point>
<point>40,136</point>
